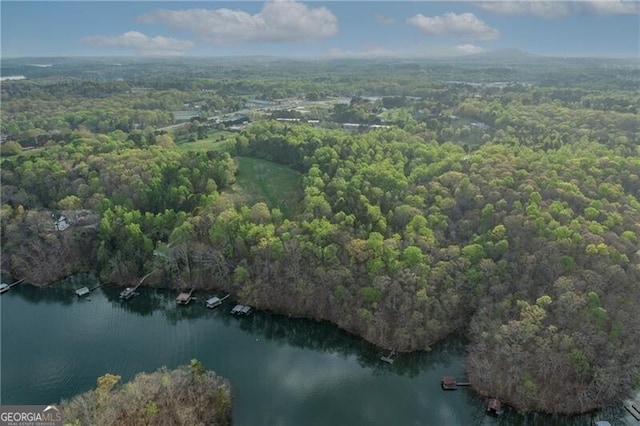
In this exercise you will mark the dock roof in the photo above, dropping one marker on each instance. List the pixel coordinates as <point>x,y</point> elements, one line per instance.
<point>183,297</point>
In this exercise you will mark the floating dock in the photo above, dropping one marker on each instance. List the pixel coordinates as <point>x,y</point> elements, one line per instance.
<point>215,301</point>
<point>128,293</point>
<point>389,359</point>
<point>241,310</point>
<point>184,298</point>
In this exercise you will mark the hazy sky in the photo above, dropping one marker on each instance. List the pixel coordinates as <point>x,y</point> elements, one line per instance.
<point>313,28</point>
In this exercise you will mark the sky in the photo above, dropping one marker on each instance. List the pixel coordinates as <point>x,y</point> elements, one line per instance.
<point>318,28</point>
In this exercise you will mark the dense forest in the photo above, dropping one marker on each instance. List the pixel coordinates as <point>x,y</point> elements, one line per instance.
<point>188,395</point>
<point>508,210</point>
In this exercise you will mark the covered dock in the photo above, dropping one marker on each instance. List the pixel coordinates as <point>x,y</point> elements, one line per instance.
<point>494,407</point>
<point>241,310</point>
<point>184,298</point>
<point>215,301</point>
<point>450,383</point>
<point>82,291</point>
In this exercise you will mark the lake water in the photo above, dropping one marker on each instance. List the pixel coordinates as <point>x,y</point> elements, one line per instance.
<point>283,371</point>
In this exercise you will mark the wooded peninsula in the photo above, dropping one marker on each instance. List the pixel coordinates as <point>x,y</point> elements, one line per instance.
<point>401,200</point>
<point>187,395</point>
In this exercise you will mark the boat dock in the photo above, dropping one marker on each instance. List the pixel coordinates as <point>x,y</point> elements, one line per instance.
<point>215,301</point>
<point>450,383</point>
<point>184,298</point>
<point>129,292</point>
<point>241,310</point>
<point>4,287</point>
<point>494,407</point>
<point>389,358</point>
<point>81,292</point>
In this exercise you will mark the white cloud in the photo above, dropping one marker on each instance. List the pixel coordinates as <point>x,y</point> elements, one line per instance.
<point>465,25</point>
<point>141,43</point>
<point>543,9</point>
<point>560,9</point>
<point>468,49</point>
<point>385,20</point>
<point>610,7</point>
<point>278,21</point>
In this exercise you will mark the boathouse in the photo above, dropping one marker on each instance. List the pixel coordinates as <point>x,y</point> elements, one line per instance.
<point>82,291</point>
<point>183,298</point>
<point>213,302</point>
<point>494,407</point>
<point>241,310</point>
<point>448,383</point>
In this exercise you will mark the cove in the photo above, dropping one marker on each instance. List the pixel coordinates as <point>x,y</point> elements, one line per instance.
<point>283,371</point>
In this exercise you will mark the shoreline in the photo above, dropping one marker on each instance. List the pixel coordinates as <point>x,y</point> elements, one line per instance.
<point>476,391</point>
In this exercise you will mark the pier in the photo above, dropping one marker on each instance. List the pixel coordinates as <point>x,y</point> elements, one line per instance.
<point>4,287</point>
<point>389,359</point>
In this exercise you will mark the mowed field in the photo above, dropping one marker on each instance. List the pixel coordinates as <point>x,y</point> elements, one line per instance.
<point>215,141</point>
<point>261,180</point>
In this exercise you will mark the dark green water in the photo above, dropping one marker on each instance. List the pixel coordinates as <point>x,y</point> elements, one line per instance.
<point>283,371</point>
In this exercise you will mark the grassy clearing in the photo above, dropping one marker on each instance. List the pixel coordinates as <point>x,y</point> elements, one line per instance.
<point>276,185</point>
<point>28,152</point>
<point>215,141</point>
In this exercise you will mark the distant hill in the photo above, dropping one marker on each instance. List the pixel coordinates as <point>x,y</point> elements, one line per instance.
<point>503,55</point>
